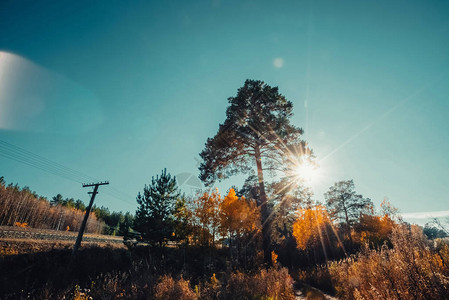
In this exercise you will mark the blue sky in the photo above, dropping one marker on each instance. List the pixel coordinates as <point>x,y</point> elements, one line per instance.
<point>120,90</point>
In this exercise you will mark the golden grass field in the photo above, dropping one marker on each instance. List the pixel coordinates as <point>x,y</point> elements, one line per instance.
<point>17,240</point>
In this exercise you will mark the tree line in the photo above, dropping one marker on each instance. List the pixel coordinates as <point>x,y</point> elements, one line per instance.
<point>302,229</point>
<point>23,207</point>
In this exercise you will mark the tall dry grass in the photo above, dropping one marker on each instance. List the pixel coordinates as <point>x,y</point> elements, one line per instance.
<point>411,269</point>
<point>271,284</point>
<point>169,289</point>
<point>265,284</point>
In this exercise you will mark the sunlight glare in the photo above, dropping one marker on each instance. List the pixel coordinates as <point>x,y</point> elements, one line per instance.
<point>307,171</point>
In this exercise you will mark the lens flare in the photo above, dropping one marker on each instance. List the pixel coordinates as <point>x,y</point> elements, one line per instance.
<point>36,99</point>
<point>306,170</point>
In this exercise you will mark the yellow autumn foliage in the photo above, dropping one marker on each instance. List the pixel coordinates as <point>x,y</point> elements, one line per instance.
<point>238,216</point>
<point>207,213</point>
<point>310,225</point>
<point>373,229</point>
<point>274,258</point>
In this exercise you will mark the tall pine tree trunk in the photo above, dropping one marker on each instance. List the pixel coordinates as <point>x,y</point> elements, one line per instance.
<point>266,234</point>
<point>349,226</point>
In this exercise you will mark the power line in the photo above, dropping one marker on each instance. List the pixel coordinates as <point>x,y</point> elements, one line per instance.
<point>52,167</point>
<point>31,159</point>
<point>42,159</point>
<point>36,166</point>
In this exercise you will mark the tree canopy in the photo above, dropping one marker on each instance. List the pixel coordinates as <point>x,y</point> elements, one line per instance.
<point>345,205</point>
<point>257,126</point>
<point>257,131</point>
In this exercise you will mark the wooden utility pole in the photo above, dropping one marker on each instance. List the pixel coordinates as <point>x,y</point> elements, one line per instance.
<point>83,225</point>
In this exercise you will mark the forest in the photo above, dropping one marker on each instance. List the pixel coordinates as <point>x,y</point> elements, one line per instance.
<point>262,240</point>
<point>23,207</point>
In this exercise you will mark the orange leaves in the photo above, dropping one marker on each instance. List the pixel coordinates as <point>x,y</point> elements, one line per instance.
<point>207,213</point>
<point>238,216</point>
<point>309,225</point>
<point>274,258</point>
<point>22,225</point>
<point>207,207</point>
<point>373,229</point>
<point>226,216</point>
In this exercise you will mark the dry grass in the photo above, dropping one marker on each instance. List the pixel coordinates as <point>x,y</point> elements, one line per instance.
<point>16,240</point>
<point>169,289</point>
<point>410,270</point>
<point>140,273</point>
<point>413,268</point>
<point>271,284</point>
<point>29,246</point>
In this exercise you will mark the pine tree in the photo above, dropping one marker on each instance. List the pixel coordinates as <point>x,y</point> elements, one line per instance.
<point>58,199</point>
<point>155,214</point>
<point>257,131</point>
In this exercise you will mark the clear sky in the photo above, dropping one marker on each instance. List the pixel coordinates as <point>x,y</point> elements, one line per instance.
<point>119,90</point>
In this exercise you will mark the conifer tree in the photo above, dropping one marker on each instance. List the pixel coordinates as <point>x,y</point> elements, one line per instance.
<point>257,132</point>
<point>155,214</point>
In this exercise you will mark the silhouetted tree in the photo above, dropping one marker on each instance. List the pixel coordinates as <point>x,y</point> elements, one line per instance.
<point>285,204</point>
<point>345,205</point>
<point>250,188</point>
<point>155,214</point>
<point>257,129</point>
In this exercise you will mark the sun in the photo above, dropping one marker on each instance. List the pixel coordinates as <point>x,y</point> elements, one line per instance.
<point>306,171</point>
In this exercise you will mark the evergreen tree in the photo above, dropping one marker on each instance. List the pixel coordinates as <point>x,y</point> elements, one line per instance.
<point>125,226</point>
<point>155,214</point>
<point>58,199</point>
<point>80,205</point>
<point>257,130</point>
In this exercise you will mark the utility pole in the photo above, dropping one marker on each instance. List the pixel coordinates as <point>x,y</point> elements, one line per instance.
<point>83,225</point>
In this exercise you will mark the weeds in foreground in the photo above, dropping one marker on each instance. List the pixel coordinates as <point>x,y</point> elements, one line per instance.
<point>411,269</point>
<point>271,284</point>
<point>169,289</point>
<point>265,284</point>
